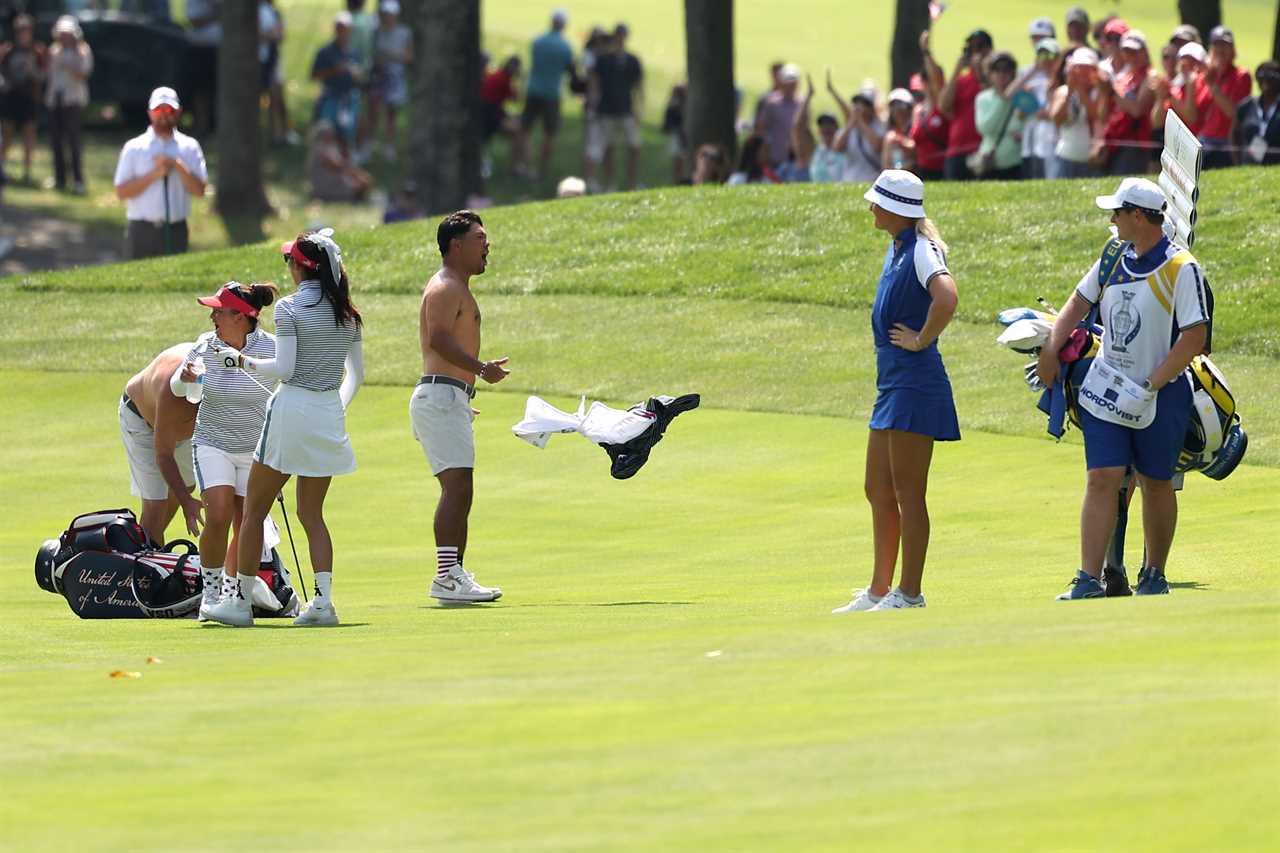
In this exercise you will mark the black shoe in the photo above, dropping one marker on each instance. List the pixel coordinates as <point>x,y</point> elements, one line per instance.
<point>1115,582</point>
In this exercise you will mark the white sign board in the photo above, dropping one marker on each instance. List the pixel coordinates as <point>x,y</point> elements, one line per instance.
<point>1180,176</point>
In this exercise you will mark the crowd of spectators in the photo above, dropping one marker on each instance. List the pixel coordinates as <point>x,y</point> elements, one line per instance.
<point>1089,104</point>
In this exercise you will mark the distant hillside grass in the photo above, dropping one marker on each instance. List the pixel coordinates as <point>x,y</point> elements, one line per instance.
<point>1010,242</point>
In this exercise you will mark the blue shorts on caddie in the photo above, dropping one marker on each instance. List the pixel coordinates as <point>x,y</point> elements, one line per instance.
<point>1154,450</point>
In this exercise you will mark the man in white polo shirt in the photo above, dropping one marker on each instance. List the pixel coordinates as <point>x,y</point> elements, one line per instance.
<point>158,173</point>
<point>1135,400</point>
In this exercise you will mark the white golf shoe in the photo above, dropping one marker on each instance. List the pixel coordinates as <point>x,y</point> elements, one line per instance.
<point>461,585</point>
<point>211,595</point>
<point>895,600</point>
<point>231,610</point>
<point>862,600</point>
<point>316,615</point>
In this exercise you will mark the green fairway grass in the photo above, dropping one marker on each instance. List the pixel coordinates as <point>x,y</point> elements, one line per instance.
<point>662,672</point>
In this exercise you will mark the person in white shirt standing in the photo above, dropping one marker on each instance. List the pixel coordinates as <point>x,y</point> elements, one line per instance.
<point>1135,401</point>
<point>158,173</point>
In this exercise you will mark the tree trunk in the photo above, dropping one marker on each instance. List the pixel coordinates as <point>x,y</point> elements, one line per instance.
<point>1275,41</point>
<point>241,199</point>
<point>709,111</point>
<point>904,53</point>
<point>444,139</point>
<point>1204,15</point>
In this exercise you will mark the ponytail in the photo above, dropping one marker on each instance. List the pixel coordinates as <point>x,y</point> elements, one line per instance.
<point>927,229</point>
<point>339,295</point>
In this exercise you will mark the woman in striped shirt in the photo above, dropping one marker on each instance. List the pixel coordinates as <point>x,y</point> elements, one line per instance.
<point>233,406</point>
<point>320,364</point>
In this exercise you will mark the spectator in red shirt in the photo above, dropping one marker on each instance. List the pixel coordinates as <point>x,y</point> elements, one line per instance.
<point>1183,94</point>
<point>1129,119</point>
<point>1228,87</point>
<point>496,88</point>
<point>956,103</point>
<point>929,127</point>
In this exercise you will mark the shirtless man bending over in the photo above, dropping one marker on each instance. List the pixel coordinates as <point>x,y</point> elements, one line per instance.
<point>156,428</point>
<point>440,409</point>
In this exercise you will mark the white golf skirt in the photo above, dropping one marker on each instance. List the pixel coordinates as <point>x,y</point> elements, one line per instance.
<point>305,434</point>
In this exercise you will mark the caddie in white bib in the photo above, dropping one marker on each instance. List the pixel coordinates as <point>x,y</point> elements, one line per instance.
<point>1109,395</point>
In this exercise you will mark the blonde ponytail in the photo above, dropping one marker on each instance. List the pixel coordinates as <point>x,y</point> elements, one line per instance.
<point>927,229</point>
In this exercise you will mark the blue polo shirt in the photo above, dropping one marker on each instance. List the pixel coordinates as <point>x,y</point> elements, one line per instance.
<point>551,58</point>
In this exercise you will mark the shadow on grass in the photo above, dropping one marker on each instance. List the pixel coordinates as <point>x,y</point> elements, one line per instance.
<point>612,604</point>
<point>1188,585</point>
<point>288,623</point>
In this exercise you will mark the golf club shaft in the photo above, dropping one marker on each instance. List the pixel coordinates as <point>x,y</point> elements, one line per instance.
<point>285,513</point>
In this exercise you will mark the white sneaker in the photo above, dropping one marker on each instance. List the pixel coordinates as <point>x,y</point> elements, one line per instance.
<point>895,600</point>
<point>232,610</point>
<point>461,585</point>
<point>863,599</point>
<point>210,596</point>
<point>317,616</point>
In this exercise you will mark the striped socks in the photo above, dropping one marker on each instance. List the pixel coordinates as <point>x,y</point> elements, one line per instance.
<point>446,559</point>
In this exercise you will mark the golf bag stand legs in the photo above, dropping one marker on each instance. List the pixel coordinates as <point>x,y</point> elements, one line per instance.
<point>1115,580</point>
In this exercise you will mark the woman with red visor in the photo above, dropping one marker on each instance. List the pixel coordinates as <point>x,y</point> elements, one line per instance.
<point>319,362</point>
<point>233,407</point>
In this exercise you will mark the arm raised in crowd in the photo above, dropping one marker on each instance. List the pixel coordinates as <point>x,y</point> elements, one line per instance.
<point>802,141</point>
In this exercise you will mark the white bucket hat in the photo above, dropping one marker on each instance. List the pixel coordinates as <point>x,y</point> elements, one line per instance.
<point>898,191</point>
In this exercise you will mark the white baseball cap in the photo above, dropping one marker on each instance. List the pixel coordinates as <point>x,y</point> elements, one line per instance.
<point>898,191</point>
<point>389,7</point>
<point>1134,192</point>
<point>789,73</point>
<point>1042,28</point>
<point>1082,56</point>
<point>571,187</point>
<point>901,96</point>
<point>1193,49</point>
<point>343,19</point>
<point>163,97</point>
<point>1133,40</point>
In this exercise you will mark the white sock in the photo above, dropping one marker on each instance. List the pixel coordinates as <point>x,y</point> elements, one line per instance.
<point>212,577</point>
<point>324,583</point>
<point>244,588</point>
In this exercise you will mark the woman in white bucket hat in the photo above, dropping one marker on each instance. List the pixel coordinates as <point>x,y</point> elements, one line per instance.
<point>915,299</point>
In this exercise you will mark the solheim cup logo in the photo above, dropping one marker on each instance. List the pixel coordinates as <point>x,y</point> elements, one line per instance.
<point>1124,323</point>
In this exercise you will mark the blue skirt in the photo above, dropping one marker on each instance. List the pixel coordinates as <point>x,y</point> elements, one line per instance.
<point>909,410</point>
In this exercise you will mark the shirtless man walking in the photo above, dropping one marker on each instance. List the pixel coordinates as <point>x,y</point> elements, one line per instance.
<point>440,409</point>
<point>156,427</point>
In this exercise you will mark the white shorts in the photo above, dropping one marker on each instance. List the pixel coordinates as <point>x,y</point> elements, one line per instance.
<point>441,417</point>
<point>216,467</point>
<point>305,434</point>
<point>145,479</point>
<point>606,130</point>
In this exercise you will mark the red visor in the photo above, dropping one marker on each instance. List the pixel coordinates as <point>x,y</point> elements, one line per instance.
<point>291,250</point>
<point>228,298</point>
